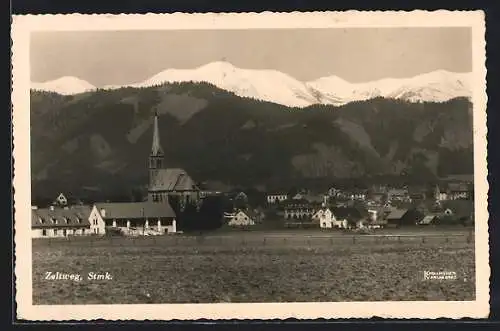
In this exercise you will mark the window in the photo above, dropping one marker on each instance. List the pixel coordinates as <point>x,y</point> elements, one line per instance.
<point>44,232</point>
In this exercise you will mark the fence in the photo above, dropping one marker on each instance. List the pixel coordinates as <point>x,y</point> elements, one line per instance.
<point>270,240</point>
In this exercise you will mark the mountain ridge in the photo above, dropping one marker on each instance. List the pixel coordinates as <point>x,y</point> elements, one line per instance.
<point>77,141</point>
<point>277,87</point>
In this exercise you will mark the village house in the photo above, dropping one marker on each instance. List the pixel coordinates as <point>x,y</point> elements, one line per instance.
<point>377,197</point>
<point>165,182</point>
<point>398,194</point>
<point>351,214</point>
<point>417,193</point>
<point>327,220</point>
<point>274,198</point>
<point>243,218</point>
<point>324,217</point>
<point>298,209</point>
<point>61,200</point>
<point>357,194</point>
<point>60,222</point>
<point>133,218</point>
<point>394,218</point>
<point>332,192</point>
<point>453,191</point>
<point>401,217</point>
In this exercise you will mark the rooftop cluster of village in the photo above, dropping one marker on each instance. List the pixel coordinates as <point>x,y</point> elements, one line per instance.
<point>377,207</point>
<point>450,203</point>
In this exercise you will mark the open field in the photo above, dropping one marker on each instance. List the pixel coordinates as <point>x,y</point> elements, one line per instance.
<point>256,267</point>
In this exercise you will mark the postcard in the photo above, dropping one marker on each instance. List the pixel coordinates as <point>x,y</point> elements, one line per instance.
<point>250,166</point>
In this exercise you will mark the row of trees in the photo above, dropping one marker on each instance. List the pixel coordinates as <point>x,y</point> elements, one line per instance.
<point>206,215</point>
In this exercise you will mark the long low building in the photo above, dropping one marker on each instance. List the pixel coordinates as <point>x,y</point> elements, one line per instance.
<point>129,218</point>
<point>134,218</point>
<point>60,222</point>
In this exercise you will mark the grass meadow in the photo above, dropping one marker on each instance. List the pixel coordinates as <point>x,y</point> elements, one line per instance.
<point>255,267</point>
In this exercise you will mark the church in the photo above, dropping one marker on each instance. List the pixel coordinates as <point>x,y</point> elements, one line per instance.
<point>165,182</point>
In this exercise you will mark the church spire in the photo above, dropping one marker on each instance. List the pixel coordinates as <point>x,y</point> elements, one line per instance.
<point>156,149</point>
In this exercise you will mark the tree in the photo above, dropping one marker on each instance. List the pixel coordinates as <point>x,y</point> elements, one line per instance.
<point>211,213</point>
<point>241,201</point>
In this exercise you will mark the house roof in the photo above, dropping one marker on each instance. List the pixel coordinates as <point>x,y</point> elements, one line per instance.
<point>396,214</point>
<point>250,213</point>
<point>427,219</point>
<point>77,216</point>
<point>172,179</point>
<point>458,187</point>
<point>296,203</point>
<point>276,193</point>
<point>347,212</point>
<point>129,210</point>
<point>397,191</point>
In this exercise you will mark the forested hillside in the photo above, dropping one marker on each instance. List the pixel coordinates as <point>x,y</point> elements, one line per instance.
<point>97,143</point>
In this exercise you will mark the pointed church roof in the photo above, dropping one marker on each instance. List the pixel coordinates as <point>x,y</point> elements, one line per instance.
<point>156,149</point>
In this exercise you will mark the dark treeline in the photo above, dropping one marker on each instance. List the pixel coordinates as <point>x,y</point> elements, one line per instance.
<point>207,215</point>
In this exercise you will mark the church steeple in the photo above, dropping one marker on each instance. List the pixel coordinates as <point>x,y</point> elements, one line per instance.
<point>156,156</point>
<point>156,149</point>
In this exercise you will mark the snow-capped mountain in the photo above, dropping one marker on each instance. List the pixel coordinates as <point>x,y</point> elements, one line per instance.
<point>266,85</point>
<point>435,86</point>
<point>275,86</point>
<point>66,85</point>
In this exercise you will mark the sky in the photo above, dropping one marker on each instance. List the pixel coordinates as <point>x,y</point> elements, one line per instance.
<point>354,54</point>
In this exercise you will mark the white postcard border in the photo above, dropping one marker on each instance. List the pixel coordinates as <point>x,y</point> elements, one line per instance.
<point>22,27</point>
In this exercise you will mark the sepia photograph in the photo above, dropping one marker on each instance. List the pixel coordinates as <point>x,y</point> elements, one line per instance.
<point>329,163</point>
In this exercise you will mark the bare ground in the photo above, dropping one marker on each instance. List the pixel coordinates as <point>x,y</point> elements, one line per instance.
<point>252,269</point>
